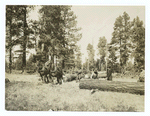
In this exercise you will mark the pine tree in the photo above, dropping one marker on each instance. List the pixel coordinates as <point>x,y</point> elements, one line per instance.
<point>12,29</point>
<point>78,58</point>
<point>24,38</point>
<point>9,18</point>
<point>117,36</point>
<point>126,45</point>
<point>138,39</point>
<point>121,38</point>
<point>102,47</point>
<point>112,59</point>
<point>91,53</point>
<point>59,32</point>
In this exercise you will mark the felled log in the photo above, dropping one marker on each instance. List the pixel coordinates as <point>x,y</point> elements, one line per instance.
<point>117,86</point>
<point>71,77</point>
<point>102,74</point>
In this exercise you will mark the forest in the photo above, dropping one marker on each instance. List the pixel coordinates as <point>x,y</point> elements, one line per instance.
<point>55,37</point>
<point>48,48</point>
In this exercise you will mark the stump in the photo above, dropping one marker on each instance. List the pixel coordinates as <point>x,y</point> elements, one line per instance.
<point>7,80</point>
<point>117,86</point>
<point>142,76</point>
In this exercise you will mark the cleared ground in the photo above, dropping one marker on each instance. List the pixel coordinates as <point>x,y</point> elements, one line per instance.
<point>27,93</point>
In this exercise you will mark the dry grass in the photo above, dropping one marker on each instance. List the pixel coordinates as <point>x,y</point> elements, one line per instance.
<point>26,93</point>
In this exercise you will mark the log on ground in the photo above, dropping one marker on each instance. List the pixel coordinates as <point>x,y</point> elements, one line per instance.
<point>116,86</point>
<point>69,77</point>
<point>102,74</point>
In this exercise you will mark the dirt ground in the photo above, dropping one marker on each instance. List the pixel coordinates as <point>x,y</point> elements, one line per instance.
<point>28,93</point>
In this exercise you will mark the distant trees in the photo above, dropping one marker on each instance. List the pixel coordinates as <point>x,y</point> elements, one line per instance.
<point>31,63</point>
<point>91,54</point>
<point>78,59</point>
<point>18,63</point>
<point>102,49</point>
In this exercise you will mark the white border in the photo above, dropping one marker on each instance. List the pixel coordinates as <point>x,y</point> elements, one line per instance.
<point>74,2</point>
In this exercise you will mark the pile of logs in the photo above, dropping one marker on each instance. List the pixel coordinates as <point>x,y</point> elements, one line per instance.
<point>116,86</point>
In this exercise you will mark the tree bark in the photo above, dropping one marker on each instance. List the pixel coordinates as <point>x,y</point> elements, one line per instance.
<point>10,45</point>
<point>116,86</point>
<point>10,61</point>
<point>24,42</point>
<point>120,56</point>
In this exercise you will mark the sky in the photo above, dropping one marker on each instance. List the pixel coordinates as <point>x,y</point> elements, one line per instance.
<point>98,21</point>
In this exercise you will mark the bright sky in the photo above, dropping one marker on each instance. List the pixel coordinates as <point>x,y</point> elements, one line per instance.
<point>98,21</point>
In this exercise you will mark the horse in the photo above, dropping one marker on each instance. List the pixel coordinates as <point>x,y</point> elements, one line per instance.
<point>44,71</point>
<point>58,74</point>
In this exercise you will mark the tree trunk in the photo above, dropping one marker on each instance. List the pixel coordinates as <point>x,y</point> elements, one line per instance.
<point>116,86</point>
<point>10,49</point>
<point>63,64</point>
<point>120,56</point>
<point>24,42</point>
<point>109,74</point>
<point>10,61</point>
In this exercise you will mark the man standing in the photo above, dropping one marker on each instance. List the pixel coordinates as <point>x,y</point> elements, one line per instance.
<point>96,73</point>
<point>109,74</point>
<point>79,75</point>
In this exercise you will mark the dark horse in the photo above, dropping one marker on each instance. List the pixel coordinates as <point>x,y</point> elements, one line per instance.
<point>46,73</point>
<point>58,74</point>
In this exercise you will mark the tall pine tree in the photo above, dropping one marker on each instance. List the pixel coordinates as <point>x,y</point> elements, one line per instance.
<point>138,39</point>
<point>121,38</point>
<point>59,32</point>
<point>13,25</point>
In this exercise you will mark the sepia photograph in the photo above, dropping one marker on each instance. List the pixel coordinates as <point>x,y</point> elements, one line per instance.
<point>78,58</point>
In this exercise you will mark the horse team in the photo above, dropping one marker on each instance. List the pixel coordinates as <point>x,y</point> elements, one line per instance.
<point>46,73</point>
